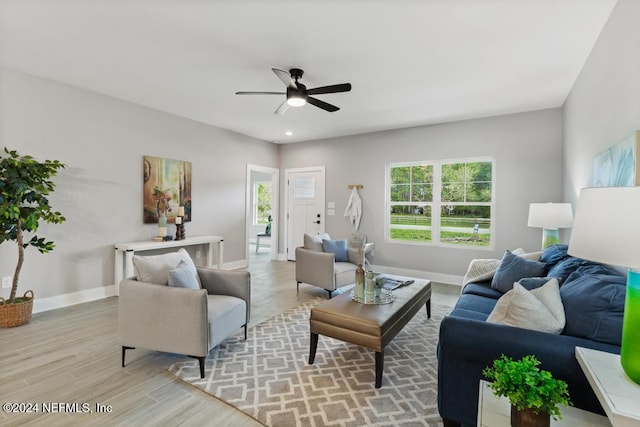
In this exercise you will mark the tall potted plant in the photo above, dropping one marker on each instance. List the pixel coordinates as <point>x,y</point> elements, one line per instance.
<point>25,184</point>
<point>533,393</point>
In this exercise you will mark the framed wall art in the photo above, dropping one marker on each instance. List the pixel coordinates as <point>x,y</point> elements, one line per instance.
<point>618,166</point>
<point>166,187</point>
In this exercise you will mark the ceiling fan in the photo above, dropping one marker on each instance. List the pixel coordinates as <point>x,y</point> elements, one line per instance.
<point>298,94</point>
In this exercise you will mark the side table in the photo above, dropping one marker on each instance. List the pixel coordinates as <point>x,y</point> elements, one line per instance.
<point>495,411</point>
<point>618,395</point>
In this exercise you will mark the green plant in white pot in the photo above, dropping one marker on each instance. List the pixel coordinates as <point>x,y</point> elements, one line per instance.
<point>25,184</point>
<point>533,393</point>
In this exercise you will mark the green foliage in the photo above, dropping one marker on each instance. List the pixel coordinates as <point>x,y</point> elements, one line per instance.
<point>527,386</point>
<point>264,202</point>
<point>25,184</point>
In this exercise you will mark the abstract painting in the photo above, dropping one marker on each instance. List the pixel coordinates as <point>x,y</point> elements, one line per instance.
<point>617,166</point>
<point>166,186</point>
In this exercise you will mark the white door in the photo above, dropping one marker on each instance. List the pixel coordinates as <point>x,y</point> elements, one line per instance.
<point>305,206</point>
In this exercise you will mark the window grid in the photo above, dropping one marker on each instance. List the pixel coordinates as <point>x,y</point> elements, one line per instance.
<point>448,223</point>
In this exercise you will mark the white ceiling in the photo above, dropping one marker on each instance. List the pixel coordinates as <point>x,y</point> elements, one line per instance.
<point>411,62</point>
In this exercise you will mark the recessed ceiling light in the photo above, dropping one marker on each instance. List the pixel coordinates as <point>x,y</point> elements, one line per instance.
<point>288,133</point>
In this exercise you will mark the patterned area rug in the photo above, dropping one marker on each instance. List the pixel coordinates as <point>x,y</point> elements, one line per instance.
<point>268,376</point>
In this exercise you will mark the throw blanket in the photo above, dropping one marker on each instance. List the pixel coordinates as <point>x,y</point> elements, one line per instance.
<point>480,269</point>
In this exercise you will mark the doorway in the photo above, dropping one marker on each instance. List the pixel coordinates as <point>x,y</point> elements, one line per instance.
<point>262,207</point>
<point>305,206</point>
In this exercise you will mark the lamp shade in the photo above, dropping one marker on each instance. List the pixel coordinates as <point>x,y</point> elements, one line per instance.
<point>607,226</point>
<point>550,215</point>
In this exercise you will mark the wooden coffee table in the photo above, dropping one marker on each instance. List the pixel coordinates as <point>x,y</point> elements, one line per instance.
<point>369,325</point>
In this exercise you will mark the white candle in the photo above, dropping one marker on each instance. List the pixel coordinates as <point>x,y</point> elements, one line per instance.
<point>178,220</point>
<point>180,210</point>
<point>162,231</point>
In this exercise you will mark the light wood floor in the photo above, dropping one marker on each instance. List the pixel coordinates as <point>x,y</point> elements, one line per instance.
<point>72,355</point>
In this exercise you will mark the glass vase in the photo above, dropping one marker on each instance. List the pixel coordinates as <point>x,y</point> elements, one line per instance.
<point>630,347</point>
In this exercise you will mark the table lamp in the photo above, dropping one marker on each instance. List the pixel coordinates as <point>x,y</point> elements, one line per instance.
<point>607,230</point>
<point>550,217</point>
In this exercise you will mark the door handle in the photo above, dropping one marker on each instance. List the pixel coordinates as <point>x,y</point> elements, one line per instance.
<point>316,222</point>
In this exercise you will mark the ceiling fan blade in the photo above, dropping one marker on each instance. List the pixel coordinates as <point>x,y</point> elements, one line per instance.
<point>342,87</point>
<point>260,93</point>
<point>282,108</point>
<point>321,104</point>
<point>284,76</point>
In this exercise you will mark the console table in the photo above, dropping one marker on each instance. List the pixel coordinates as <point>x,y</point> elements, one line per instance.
<point>125,251</point>
<point>618,395</point>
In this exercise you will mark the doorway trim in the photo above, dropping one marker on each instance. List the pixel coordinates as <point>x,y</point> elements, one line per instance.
<point>275,207</point>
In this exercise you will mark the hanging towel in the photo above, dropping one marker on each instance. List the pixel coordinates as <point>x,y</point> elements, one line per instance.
<point>354,209</point>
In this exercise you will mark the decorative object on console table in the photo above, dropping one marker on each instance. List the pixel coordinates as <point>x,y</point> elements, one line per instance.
<point>607,230</point>
<point>162,228</point>
<point>533,393</point>
<point>550,217</point>
<point>180,224</point>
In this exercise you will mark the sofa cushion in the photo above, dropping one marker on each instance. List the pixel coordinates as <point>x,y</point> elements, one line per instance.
<point>483,289</point>
<point>594,306</point>
<point>314,242</point>
<point>155,268</point>
<point>336,247</point>
<point>473,307</point>
<point>513,268</point>
<point>540,309</point>
<point>184,276</point>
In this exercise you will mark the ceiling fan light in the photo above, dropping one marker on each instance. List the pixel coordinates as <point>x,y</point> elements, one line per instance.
<point>296,101</point>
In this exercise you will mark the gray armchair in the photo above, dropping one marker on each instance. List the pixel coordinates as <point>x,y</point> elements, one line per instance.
<point>184,321</point>
<point>318,268</point>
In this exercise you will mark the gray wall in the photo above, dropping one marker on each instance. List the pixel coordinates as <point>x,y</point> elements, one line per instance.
<point>527,148</point>
<point>603,107</point>
<point>103,140</point>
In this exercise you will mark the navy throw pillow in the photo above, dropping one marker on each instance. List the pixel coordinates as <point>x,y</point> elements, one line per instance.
<point>594,307</point>
<point>513,268</point>
<point>554,253</point>
<point>338,247</point>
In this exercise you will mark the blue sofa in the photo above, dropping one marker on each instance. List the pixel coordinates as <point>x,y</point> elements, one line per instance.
<point>593,299</point>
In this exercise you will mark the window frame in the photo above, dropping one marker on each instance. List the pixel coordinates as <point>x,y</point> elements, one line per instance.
<point>436,203</point>
<point>254,208</point>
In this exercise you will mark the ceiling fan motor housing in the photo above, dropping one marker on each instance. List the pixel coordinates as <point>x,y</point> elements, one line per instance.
<point>296,73</point>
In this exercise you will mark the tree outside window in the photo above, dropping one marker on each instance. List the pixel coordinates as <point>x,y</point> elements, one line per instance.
<point>261,202</point>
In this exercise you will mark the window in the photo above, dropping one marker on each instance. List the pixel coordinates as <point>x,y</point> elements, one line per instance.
<point>445,202</point>
<point>261,202</point>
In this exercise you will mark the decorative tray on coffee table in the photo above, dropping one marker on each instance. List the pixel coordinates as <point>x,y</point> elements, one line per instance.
<point>385,297</point>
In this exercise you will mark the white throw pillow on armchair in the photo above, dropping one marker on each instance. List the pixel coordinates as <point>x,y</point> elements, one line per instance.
<point>155,268</point>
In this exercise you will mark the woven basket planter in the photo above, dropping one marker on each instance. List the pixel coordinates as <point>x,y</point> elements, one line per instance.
<point>18,313</point>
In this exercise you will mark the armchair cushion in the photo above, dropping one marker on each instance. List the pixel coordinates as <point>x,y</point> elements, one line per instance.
<point>155,268</point>
<point>184,276</point>
<point>337,247</point>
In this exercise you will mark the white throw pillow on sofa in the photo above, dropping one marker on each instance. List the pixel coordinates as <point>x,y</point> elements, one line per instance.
<point>540,309</point>
<point>155,268</point>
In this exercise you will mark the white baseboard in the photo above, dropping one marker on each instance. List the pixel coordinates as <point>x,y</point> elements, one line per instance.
<point>65,300</point>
